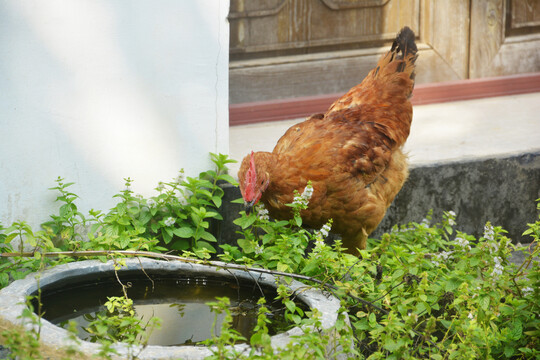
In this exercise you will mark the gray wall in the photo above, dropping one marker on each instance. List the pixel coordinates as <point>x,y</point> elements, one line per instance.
<point>98,90</point>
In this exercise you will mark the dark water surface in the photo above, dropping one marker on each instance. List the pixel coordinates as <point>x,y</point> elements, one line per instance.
<point>180,303</point>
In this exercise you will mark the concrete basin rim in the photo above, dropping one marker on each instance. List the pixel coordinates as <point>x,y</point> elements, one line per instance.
<point>12,299</point>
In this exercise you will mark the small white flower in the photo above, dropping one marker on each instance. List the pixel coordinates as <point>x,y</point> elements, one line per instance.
<point>489,233</point>
<point>180,177</point>
<point>169,221</point>
<point>299,200</point>
<point>441,257</point>
<point>150,202</point>
<point>262,213</point>
<point>182,200</point>
<point>404,230</point>
<point>160,186</point>
<point>303,199</point>
<point>319,245</point>
<point>462,243</point>
<point>527,290</point>
<point>323,232</point>
<point>308,192</point>
<point>258,249</point>
<point>325,229</point>
<point>470,316</point>
<point>445,255</point>
<point>424,223</point>
<point>451,217</point>
<point>497,270</point>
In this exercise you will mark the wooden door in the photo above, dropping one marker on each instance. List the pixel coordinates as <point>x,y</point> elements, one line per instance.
<point>505,37</point>
<point>283,49</point>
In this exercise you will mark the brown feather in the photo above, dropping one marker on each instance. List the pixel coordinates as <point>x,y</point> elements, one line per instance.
<point>351,154</point>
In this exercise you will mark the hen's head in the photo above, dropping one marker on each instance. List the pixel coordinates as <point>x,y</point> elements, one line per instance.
<point>252,182</point>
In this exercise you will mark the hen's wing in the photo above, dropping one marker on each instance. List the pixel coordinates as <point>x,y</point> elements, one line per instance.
<point>338,146</point>
<point>299,132</point>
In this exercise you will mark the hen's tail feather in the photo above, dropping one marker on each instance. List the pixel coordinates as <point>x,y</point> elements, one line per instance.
<point>404,43</point>
<point>404,49</point>
<point>393,77</point>
<point>400,59</point>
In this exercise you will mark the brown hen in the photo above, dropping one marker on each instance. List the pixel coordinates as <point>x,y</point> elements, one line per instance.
<point>352,154</point>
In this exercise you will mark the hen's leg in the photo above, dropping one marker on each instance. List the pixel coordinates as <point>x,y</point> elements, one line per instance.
<point>356,242</point>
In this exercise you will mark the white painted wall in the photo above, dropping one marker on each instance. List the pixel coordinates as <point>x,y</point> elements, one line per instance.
<point>98,90</point>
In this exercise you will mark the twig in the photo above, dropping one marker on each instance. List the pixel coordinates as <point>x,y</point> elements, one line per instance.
<point>217,264</point>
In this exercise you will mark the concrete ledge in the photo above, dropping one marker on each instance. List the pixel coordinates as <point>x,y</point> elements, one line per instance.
<point>501,190</point>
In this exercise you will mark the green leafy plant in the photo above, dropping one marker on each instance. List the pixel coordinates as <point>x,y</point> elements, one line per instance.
<point>175,219</point>
<point>223,338</point>
<point>424,290</point>
<point>24,344</point>
<point>421,291</point>
<point>119,323</point>
<point>63,227</point>
<point>21,233</point>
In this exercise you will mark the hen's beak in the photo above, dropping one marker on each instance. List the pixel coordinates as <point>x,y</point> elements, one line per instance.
<point>248,206</point>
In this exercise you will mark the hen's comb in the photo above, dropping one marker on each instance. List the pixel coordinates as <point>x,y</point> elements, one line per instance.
<point>251,179</point>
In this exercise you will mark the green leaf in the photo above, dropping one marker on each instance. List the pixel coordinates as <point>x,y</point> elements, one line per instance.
<point>145,217</point>
<point>180,244</point>
<point>397,274</point>
<point>211,214</point>
<point>154,226</point>
<point>509,351</point>
<point>282,267</point>
<point>311,267</point>
<point>4,279</point>
<point>183,232</point>
<point>208,236</point>
<point>484,302</point>
<point>516,330</point>
<point>216,200</point>
<point>391,345</point>
<point>452,284</point>
<point>166,236</point>
<point>228,178</point>
<point>295,318</point>
<point>204,244</point>
<point>372,319</point>
<point>10,237</point>
<point>245,221</point>
<point>31,240</point>
<point>290,305</point>
<point>246,245</point>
